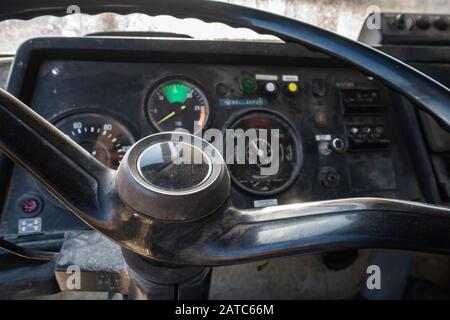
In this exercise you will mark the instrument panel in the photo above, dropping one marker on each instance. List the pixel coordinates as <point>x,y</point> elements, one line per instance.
<point>315,113</point>
<point>335,129</point>
<point>312,110</point>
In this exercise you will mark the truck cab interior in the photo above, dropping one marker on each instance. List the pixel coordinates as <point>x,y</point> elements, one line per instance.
<point>91,128</point>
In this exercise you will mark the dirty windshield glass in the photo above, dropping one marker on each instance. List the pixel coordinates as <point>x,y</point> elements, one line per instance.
<point>342,16</point>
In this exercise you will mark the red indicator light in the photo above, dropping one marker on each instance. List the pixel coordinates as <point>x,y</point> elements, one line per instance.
<point>30,206</point>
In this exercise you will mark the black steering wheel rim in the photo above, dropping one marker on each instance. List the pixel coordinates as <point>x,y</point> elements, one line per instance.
<point>423,91</point>
<point>229,235</point>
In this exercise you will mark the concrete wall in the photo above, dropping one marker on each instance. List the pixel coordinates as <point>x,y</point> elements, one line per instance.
<point>342,16</point>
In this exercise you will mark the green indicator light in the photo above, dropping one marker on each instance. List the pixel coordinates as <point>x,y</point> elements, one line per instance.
<point>176,92</point>
<point>248,84</point>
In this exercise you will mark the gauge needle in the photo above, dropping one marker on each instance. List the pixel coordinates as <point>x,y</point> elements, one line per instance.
<point>259,151</point>
<point>170,115</point>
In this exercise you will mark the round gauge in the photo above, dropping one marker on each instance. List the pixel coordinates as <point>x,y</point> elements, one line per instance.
<point>178,104</point>
<point>102,136</point>
<point>271,170</point>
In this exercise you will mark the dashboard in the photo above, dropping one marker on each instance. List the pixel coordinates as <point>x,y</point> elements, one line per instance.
<point>340,135</point>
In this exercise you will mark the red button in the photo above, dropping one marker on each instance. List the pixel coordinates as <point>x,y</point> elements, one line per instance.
<point>30,206</point>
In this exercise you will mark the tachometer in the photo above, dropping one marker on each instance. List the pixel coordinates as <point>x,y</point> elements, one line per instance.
<point>178,104</point>
<point>102,136</point>
<point>289,155</point>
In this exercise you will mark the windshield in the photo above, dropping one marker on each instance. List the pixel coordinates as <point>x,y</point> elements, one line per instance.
<point>342,16</point>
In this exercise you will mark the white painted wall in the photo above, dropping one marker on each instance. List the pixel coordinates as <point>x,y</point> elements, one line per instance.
<point>342,16</point>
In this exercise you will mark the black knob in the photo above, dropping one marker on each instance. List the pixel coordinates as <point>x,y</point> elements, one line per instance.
<point>338,145</point>
<point>441,23</point>
<point>403,21</point>
<point>329,177</point>
<point>424,23</point>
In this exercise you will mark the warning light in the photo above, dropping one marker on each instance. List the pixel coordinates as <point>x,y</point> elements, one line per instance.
<point>292,87</point>
<point>30,206</point>
<point>248,84</point>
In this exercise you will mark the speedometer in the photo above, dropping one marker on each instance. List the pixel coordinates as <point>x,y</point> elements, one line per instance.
<point>102,136</point>
<point>178,104</point>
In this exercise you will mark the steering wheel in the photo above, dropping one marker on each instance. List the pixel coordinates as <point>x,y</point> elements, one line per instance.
<point>199,226</point>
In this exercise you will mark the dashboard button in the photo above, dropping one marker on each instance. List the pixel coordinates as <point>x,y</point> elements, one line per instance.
<point>441,23</point>
<point>379,129</point>
<point>338,145</point>
<point>270,88</point>
<point>423,23</point>
<point>248,84</point>
<point>29,206</point>
<point>403,22</point>
<point>354,130</point>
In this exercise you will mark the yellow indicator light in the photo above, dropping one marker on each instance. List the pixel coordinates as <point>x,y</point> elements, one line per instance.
<point>292,87</point>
